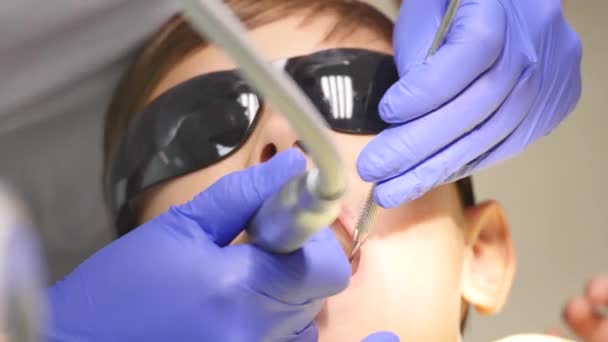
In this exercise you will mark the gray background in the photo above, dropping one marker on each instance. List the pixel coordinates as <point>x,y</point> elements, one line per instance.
<point>554,193</point>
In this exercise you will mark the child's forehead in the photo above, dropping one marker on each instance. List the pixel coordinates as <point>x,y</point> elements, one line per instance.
<point>278,40</point>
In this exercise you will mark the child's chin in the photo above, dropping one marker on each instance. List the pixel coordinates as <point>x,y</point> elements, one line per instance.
<point>335,324</point>
<point>336,309</point>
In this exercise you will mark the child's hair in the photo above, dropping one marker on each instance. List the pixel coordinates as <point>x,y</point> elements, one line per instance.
<point>176,39</point>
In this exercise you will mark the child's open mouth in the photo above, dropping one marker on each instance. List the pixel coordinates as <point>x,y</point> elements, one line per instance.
<point>343,228</point>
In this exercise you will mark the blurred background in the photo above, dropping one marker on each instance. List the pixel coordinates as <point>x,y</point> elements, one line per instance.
<point>555,194</point>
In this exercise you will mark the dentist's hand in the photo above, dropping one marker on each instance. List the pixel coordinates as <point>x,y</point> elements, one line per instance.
<point>176,279</point>
<point>506,75</point>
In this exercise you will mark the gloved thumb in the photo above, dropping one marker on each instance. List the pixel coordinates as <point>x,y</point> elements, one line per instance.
<point>224,209</point>
<point>383,336</point>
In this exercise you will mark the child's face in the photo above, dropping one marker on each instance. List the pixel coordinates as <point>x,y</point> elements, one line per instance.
<point>424,258</point>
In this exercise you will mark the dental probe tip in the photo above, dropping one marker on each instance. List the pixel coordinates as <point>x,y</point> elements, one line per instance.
<point>355,249</point>
<point>356,243</point>
<point>356,235</point>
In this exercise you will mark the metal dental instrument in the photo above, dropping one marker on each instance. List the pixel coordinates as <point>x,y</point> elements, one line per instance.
<point>366,220</point>
<point>311,201</point>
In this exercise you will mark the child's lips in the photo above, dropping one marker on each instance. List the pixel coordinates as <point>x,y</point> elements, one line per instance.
<point>343,229</point>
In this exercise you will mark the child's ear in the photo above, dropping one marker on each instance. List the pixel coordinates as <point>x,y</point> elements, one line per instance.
<point>490,261</point>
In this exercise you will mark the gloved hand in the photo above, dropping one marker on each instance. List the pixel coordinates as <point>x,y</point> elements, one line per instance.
<point>507,73</point>
<point>175,278</point>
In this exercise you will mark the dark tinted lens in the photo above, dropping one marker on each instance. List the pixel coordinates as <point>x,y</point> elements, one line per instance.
<point>232,127</point>
<point>191,126</point>
<point>236,120</point>
<point>346,85</point>
<point>213,130</point>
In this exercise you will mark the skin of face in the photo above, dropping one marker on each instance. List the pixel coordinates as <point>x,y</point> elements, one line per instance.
<point>425,258</point>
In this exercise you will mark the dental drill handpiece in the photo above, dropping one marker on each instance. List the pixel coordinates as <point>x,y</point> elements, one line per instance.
<point>364,225</point>
<point>310,202</point>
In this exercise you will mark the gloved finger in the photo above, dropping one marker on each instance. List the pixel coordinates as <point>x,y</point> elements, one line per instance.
<point>440,167</point>
<point>567,96</point>
<point>383,336</point>
<point>224,209</point>
<point>470,48</point>
<point>529,130</point>
<point>318,270</point>
<point>399,148</point>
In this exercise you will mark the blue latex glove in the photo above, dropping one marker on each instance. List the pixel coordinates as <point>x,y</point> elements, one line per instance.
<point>383,336</point>
<point>507,74</point>
<point>175,278</point>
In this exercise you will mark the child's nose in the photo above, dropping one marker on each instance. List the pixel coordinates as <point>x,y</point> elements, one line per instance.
<point>275,136</point>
